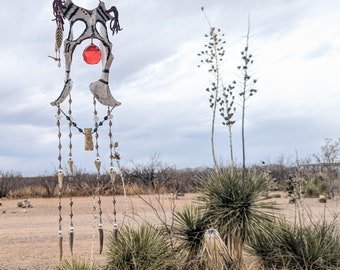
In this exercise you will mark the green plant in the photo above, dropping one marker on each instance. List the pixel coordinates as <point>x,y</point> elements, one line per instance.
<point>143,248</point>
<point>76,264</point>
<point>316,186</point>
<point>313,246</point>
<point>236,207</point>
<point>20,204</point>
<point>188,229</point>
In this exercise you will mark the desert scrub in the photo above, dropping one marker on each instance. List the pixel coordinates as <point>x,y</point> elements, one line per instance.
<point>142,248</point>
<point>300,247</point>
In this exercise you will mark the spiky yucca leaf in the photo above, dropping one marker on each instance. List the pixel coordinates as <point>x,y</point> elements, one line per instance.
<point>314,246</point>
<point>144,248</point>
<point>189,228</point>
<point>236,206</point>
<point>76,264</point>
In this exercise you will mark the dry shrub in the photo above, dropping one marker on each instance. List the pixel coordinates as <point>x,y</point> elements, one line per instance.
<point>29,191</point>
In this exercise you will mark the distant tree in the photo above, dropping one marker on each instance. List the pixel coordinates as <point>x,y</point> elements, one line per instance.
<point>8,182</point>
<point>154,173</point>
<point>330,152</point>
<point>329,159</point>
<point>212,55</point>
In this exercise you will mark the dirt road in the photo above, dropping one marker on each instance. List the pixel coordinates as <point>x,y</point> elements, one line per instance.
<point>29,237</point>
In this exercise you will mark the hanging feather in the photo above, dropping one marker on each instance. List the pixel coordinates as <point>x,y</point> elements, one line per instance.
<point>59,34</point>
<point>101,239</point>
<point>60,247</point>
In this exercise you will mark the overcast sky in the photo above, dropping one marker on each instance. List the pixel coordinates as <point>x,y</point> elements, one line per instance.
<point>165,109</point>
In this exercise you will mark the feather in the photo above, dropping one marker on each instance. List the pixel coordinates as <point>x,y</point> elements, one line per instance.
<point>59,33</point>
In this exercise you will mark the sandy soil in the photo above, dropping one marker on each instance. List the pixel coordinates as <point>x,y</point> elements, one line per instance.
<point>29,237</point>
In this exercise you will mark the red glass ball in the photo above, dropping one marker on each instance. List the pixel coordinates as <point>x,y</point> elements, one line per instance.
<point>92,54</point>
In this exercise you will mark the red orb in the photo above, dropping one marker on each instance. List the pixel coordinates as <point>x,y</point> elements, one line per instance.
<point>92,54</point>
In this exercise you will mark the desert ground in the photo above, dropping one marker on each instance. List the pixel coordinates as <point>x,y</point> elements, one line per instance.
<point>29,236</point>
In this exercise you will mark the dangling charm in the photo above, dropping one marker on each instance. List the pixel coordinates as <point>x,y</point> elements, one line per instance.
<point>112,174</point>
<point>97,163</point>
<point>60,179</point>
<point>71,236</point>
<point>101,237</point>
<point>92,54</point>
<point>59,32</point>
<point>88,139</point>
<point>70,165</point>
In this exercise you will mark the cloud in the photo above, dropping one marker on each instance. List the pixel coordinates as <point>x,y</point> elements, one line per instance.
<point>165,106</point>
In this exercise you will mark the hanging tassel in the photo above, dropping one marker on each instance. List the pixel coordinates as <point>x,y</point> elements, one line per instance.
<point>71,236</point>
<point>60,246</point>
<point>101,239</point>
<point>115,232</point>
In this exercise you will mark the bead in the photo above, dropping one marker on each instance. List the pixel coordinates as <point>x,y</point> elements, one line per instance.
<point>92,55</point>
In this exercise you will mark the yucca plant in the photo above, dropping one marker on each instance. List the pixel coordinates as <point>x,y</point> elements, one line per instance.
<point>188,229</point>
<point>314,246</point>
<point>77,264</point>
<point>143,248</point>
<point>236,207</point>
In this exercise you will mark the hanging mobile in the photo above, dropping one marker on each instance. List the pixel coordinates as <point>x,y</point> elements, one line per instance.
<point>92,54</point>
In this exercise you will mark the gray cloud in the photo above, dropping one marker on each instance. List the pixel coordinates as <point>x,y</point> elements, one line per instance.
<point>155,76</point>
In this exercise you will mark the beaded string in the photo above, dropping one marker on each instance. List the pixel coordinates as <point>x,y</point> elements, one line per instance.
<point>97,163</point>
<point>60,185</point>
<point>70,177</point>
<point>113,176</point>
<point>81,130</point>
